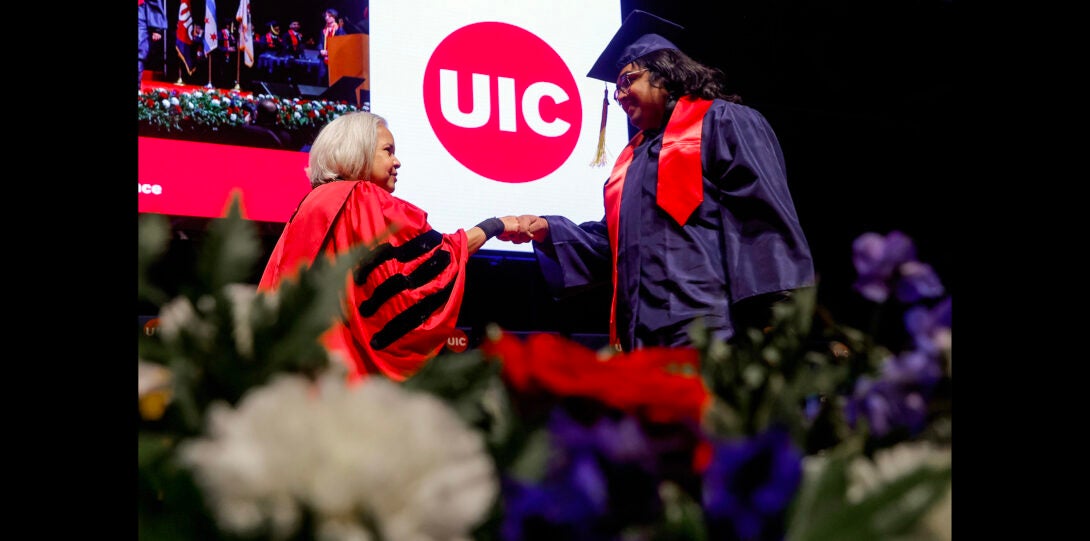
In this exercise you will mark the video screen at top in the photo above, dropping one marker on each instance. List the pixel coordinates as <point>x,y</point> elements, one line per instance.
<point>488,101</point>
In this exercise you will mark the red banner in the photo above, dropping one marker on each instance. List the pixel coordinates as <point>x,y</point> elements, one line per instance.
<point>186,178</point>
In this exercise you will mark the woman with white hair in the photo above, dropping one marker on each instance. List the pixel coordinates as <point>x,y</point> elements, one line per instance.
<point>404,297</point>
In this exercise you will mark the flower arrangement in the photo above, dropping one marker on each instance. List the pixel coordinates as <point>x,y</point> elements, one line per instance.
<point>171,110</point>
<point>806,430</point>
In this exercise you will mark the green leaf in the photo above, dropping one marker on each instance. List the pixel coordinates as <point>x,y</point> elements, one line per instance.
<point>231,249</point>
<point>288,324</point>
<point>153,238</point>
<point>460,379</point>
<point>683,517</point>
<point>532,458</point>
<point>152,448</point>
<point>822,492</point>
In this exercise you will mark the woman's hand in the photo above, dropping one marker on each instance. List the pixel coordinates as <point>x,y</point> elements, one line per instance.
<point>529,227</point>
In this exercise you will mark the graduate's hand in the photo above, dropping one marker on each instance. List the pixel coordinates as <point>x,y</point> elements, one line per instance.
<point>532,228</point>
<point>536,226</point>
<point>513,230</point>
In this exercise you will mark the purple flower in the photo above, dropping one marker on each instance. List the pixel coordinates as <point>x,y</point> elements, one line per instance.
<point>913,369</point>
<point>885,262</point>
<point>573,461</point>
<point>812,407</point>
<point>918,280</point>
<point>876,259</point>
<point>898,398</point>
<point>572,497</point>
<point>749,484</point>
<point>930,327</point>
<point>623,441</point>
<point>555,509</point>
<point>600,475</point>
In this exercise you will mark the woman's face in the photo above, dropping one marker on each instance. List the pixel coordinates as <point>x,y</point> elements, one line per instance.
<point>384,164</point>
<point>644,104</point>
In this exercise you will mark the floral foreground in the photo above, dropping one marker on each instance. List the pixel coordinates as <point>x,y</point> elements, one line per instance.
<point>807,430</point>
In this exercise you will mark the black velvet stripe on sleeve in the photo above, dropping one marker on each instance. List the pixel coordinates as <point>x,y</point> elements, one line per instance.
<point>406,252</point>
<point>412,318</point>
<point>397,283</point>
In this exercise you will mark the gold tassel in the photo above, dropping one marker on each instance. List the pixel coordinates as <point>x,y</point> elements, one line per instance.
<point>600,155</point>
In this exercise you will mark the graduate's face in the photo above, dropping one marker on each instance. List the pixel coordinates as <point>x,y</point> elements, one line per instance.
<point>384,164</point>
<point>644,104</point>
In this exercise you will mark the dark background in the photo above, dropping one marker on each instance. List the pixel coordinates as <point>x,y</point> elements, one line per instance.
<point>863,95</point>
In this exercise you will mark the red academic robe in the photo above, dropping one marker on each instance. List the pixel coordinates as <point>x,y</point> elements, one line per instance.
<point>403,302</point>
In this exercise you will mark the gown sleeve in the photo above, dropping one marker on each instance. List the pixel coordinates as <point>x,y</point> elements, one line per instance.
<point>574,258</point>
<point>766,249</point>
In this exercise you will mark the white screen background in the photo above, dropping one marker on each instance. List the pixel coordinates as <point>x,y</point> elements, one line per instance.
<point>403,35</point>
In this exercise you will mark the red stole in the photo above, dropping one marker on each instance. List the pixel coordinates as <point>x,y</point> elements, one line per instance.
<point>679,190</point>
<point>328,31</point>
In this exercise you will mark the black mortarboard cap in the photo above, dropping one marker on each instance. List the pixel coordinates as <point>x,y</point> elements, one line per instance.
<point>640,33</point>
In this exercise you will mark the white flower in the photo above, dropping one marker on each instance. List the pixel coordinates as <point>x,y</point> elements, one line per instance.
<point>151,377</point>
<point>891,464</point>
<point>179,314</point>
<point>937,524</point>
<point>374,452</point>
<point>865,476</point>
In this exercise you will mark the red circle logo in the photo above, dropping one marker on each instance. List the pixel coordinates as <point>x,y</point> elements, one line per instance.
<point>457,341</point>
<point>502,102</point>
<point>151,326</point>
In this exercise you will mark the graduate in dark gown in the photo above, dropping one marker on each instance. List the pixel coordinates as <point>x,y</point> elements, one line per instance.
<point>151,23</point>
<point>699,222</point>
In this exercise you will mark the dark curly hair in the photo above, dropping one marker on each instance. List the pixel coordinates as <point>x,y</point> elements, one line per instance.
<point>680,75</point>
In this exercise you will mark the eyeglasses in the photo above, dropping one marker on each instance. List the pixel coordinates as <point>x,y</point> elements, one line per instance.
<point>625,81</point>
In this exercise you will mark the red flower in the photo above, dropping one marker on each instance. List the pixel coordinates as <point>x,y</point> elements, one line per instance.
<point>658,384</point>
